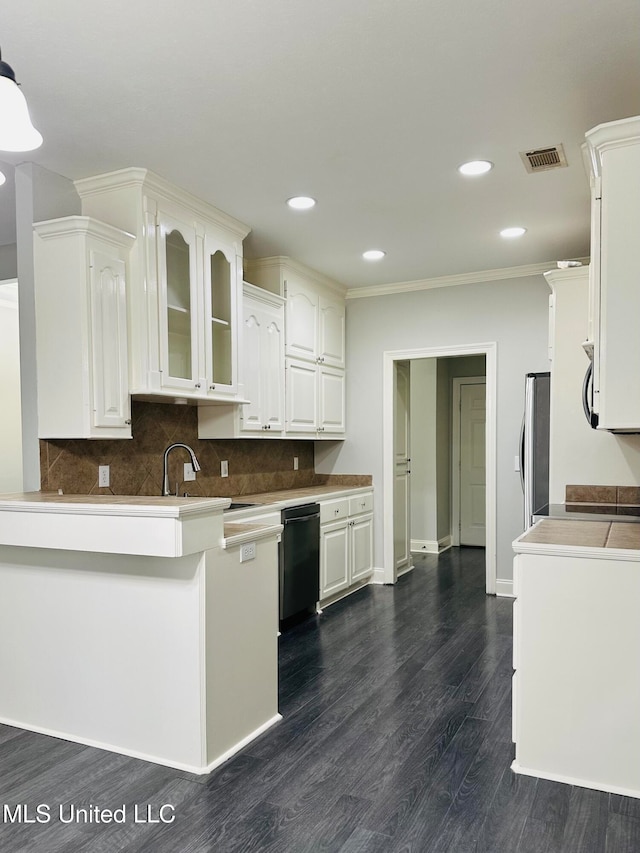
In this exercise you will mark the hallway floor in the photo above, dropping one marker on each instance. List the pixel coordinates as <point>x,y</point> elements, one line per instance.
<point>396,738</point>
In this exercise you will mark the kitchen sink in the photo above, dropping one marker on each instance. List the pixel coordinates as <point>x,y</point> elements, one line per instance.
<point>238,505</point>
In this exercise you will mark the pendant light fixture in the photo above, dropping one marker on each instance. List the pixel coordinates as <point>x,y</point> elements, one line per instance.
<point>16,131</point>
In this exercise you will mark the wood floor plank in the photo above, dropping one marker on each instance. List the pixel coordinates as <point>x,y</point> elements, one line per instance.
<point>623,834</point>
<point>507,814</point>
<point>425,786</point>
<point>586,826</point>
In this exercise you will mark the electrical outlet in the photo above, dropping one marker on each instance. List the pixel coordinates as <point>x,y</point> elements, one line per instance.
<point>103,476</point>
<point>295,463</point>
<point>224,468</point>
<point>189,473</point>
<point>247,552</point>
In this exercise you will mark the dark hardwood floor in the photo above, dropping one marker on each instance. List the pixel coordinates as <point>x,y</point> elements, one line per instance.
<point>396,738</point>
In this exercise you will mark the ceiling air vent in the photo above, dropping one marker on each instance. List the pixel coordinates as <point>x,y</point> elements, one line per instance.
<point>543,159</point>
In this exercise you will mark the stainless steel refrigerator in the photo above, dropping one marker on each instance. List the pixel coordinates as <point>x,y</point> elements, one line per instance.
<point>534,445</point>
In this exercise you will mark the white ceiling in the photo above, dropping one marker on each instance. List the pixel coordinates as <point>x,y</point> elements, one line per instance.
<point>367,105</point>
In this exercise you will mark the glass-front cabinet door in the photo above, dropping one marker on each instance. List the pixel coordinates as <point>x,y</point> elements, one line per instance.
<point>221,294</point>
<point>178,304</point>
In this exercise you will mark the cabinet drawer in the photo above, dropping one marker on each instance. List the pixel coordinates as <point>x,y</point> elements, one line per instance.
<point>334,510</point>
<point>361,503</point>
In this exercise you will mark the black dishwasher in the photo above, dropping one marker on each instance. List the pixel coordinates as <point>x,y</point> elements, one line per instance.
<point>299,559</point>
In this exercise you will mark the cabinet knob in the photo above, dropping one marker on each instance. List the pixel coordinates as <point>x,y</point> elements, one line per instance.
<point>212,387</point>
<point>128,422</point>
<point>197,385</point>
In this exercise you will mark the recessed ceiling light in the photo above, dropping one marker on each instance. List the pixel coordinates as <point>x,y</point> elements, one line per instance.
<point>373,255</point>
<point>512,232</point>
<point>2,179</point>
<point>475,167</point>
<point>301,202</point>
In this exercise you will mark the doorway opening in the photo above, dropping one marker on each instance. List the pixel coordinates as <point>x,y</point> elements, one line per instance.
<point>439,448</point>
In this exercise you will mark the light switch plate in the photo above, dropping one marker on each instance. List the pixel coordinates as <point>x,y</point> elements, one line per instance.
<point>189,473</point>
<point>224,468</point>
<point>103,476</point>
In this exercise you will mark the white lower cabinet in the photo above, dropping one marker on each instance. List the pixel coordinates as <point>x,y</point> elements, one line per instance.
<point>346,543</point>
<point>576,690</point>
<point>81,316</point>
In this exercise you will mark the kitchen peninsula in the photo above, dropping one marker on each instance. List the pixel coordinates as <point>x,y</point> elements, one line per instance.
<point>576,654</point>
<point>132,624</point>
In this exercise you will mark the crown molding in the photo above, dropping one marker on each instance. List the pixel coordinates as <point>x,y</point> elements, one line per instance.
<point>146,180</point>
<point>453,280</point>
<point>284,263</point>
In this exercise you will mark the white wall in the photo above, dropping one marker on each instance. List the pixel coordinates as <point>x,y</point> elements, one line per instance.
<point>580,455</point>
<point>8,261</point>
<point>512,312</point>
<point>11,421</point>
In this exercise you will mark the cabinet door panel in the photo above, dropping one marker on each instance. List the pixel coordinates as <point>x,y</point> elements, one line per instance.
<point>220,307</point>
<point>361,548</point>
<point>272,366</point>
<point>331,337</point>
<point>332,400</point>
<point>334,559</point>
<point>302,321</point>
<point>111,402</point>
<point>252,342</point>
<point>301,396</point>
<point>178,302</point>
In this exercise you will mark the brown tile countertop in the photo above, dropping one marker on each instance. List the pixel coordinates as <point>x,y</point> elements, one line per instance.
<point>586,534</point>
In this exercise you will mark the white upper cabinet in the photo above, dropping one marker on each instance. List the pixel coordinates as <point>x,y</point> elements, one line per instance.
<point>185,288</point>
<point>331,332</point>
<point>614,150</point>
<point>314,345</point>
<point>81,338</point>
<point>315,324</point>
<point>261,372</point>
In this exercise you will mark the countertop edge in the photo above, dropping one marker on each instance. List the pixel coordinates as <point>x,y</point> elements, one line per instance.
<point>119,507</point>
<point>249,533</point>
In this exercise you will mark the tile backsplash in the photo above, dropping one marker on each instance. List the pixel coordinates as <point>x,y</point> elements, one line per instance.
<point>255,465</point>
<point>626,495</point>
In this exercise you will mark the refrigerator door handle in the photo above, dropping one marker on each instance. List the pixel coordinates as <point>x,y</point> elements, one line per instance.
<point>522,455</point>
<point>587,398</point>
<point>527,452</point>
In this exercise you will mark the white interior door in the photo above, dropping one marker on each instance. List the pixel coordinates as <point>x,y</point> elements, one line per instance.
<point>402,467</point>
<point>472,464</point>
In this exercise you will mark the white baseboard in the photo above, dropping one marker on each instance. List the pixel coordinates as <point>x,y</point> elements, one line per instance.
<point>430,546</point>
<point>134,753</point>
<point>377,576</point>
<point>338,596</point>
<point>409,568</point>
<point>504,588</point>
<point>572,780</point>
<point>240,745</point>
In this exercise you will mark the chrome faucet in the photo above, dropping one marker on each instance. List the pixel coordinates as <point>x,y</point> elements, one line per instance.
<point>165,466</point>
